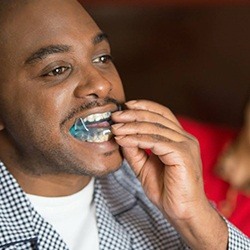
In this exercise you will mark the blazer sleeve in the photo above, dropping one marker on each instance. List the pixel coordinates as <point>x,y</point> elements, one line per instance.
<point>236,239</point>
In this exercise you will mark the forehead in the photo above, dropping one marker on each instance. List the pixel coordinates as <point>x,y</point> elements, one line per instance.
<point>38,23</point>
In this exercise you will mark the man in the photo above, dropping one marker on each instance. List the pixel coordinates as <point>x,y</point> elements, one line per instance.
<point>59,90</point>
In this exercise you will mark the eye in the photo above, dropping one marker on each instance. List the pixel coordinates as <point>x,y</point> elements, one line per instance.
<point>103,59</point>
<point>57,71</point>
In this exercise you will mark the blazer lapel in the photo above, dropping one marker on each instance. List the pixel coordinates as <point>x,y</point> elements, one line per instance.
<point>111,199</point>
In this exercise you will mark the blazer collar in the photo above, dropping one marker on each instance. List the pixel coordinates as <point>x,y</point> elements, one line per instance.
<point>15,211</point>
<point>113,197</point>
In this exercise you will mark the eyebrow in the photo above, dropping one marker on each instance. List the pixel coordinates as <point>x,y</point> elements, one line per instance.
<point>45,51</point>
<point>60,48</point>
<point>100,37</point>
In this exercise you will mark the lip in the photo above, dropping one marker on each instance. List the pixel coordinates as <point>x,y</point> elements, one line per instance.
<point>104,147</point>
<point>100,109</point>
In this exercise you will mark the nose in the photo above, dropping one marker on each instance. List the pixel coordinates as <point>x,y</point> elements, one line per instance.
<point>94,83</point>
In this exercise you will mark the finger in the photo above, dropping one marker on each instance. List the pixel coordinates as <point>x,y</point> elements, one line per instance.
<point>136,158</point>
<point>159,145</point>
<point>126,116</point>
<point>145,167</point>
<point>152,107</point>
<point>171,153</point>
<point>156,129</point>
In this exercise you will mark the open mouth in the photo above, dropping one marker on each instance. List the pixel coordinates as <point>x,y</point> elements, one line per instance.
<point>93,128</point>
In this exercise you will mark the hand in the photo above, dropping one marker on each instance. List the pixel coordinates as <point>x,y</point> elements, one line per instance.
<point>171,175</point>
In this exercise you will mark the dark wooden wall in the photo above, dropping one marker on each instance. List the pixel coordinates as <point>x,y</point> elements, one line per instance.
<point>193,59</point>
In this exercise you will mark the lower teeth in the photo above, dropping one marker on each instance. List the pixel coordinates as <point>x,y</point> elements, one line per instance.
<point>91,134</point>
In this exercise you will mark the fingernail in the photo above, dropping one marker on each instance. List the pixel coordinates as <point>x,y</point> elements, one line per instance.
<point>130,102</point>
<point>117,126</point>
<point>118,113</point>
<point>119,137</point>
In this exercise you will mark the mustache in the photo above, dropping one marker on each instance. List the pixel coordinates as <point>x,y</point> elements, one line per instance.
<point>89,105</point>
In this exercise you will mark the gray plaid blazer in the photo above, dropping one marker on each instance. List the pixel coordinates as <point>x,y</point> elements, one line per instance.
<point>126,219</point>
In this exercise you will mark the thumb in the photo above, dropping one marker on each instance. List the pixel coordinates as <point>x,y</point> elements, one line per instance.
<point>136,158</point>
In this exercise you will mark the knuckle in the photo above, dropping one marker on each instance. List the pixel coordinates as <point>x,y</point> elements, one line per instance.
<point>159,125</point>
<point>193,140</point>
<point>159,138</point>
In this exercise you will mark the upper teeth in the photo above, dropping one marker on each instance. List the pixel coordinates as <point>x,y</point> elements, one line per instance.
<point>97,117</point>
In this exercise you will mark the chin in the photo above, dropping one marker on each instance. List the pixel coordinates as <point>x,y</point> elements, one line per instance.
<point>107,166</point>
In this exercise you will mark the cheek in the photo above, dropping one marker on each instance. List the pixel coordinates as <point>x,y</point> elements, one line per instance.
<point>117,88</point>
<point>35,116</point>
<point>42,110</point>
<point>50,105</point>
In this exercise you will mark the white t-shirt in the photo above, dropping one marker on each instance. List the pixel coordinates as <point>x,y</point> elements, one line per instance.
<point>73,217</point>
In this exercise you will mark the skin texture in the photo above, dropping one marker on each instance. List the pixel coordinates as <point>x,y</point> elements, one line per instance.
<point>39,101</point>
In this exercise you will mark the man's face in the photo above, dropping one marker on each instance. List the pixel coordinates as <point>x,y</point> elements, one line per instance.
<point>55,69</point>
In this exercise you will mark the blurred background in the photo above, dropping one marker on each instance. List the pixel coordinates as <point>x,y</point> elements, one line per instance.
<point>190,55</point>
